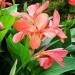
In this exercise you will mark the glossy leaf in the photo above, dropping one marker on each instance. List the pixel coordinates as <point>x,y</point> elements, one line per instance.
<point>7,21</point>
<point>19,51</point>
<point>73,34</point>
<point>71,48</point>
<point>12,8</point>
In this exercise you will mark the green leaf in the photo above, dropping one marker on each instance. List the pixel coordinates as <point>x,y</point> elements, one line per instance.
<point>19,51</point>
<point>71,48</point>
<point>13,69</point>
<point>1,51</point>
<point>11,8</point>
<point>73,34</point>
<point>69,64</point>
<point>43,1</point>
<point>25,7</point>
<point>7,20</point>
<point>68,34</point>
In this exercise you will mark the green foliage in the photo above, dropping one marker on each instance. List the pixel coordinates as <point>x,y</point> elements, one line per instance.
<point>73,34</point>
<point>18,50</point>
<point>4,18</point>
<point>25,63</point>
<point>57,70</point>
<point>7,20</point>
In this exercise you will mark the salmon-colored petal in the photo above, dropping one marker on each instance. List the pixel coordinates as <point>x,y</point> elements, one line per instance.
<point>41,21</point>
<point>45,62</point>
<point>1,26</point>
<point>56,19</point>
<point>61,34</point>
<point>23,15</point>
<point>32,9</point>
<point>58,59</point>
<point>30,29</point>
<point>35,41</point>
<point>42,7</point>
<point>71,2</point>
<point>18,37</point>
<point>57,55</point>
<point>49,33</point>
<point>28,17</point>
<point>60,51</point>
<point>21,24</point>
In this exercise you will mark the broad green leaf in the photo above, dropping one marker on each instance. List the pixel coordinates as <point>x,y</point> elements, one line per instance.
<point>71,48</point>
<point>73,34</point>
<point>18,50</point>
<point>13,69</point>
<point>7,20</point>
<point>11,8</point>
<point>69,64</point>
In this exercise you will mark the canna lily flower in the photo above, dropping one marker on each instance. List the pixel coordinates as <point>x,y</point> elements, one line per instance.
<point>37,9</point>
<point>33,10</point>
<point>33,29</point>
<point>54,29</point>
<point>71,2</point>
<point>4,3</point>
<point>46,58</point>
<point>1,26</point>
<point>37,27</point>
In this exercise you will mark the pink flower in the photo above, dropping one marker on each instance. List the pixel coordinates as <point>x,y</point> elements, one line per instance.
<point>1,26</point>
<point>4,3</point>
<point>37,9</point>
<point>46,58</point>
<point>54,29</point>
<point>37,27</point>
<point>33,29</point>
<point>33,10</point>
<point>71,2</point>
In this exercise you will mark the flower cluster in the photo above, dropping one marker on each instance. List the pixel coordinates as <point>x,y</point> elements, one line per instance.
<point>46,57</point>
<point>38,27</point>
